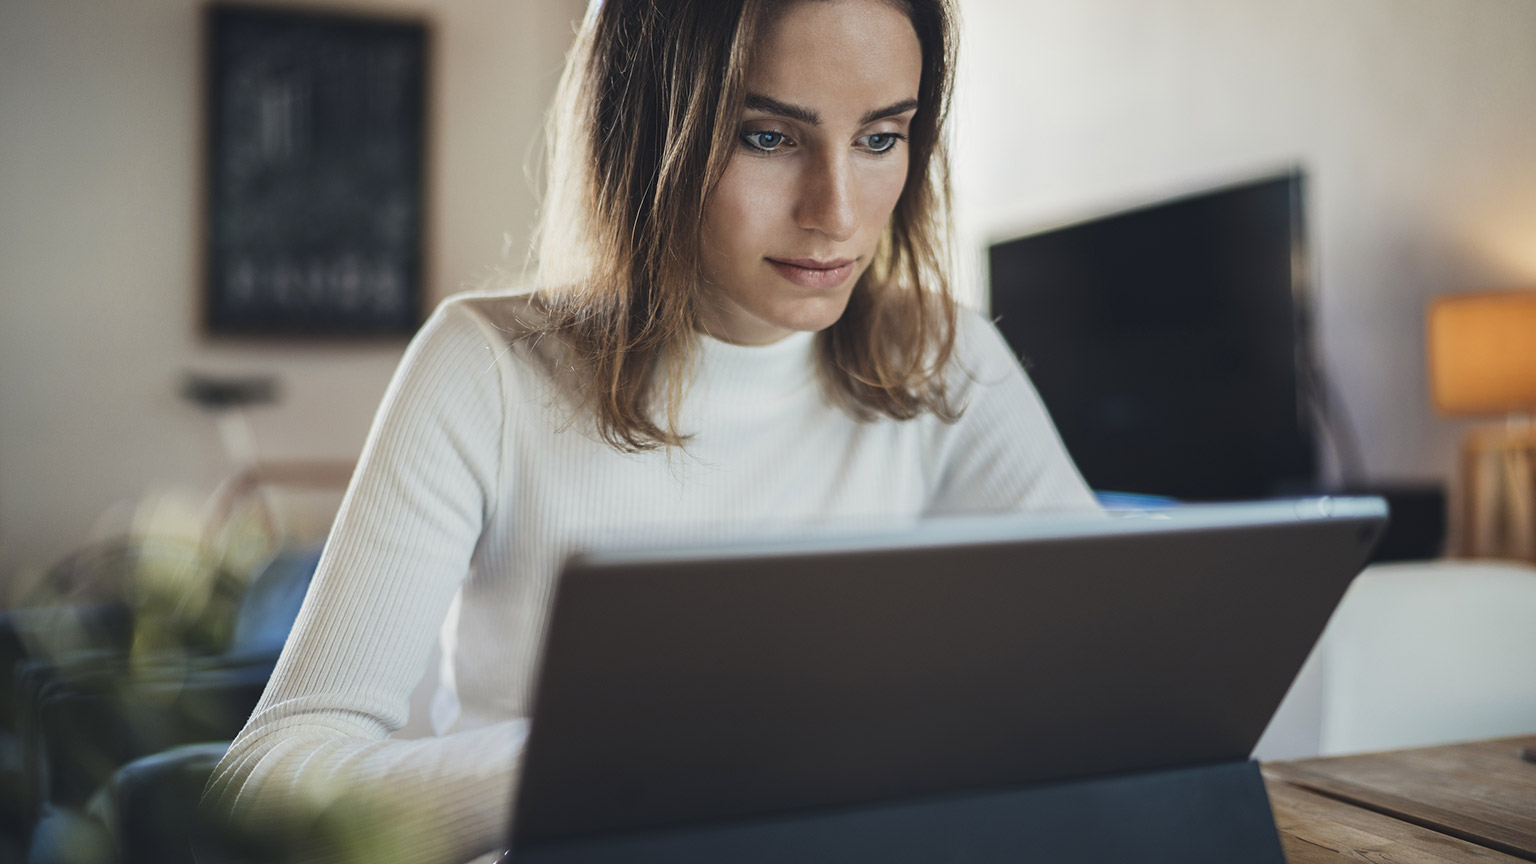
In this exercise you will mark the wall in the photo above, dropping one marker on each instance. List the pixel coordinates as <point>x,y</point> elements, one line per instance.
<point>1415,120</point>
<point>99,193</point>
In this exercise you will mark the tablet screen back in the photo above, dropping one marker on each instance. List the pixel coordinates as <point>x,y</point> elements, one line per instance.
<point>687,686</point>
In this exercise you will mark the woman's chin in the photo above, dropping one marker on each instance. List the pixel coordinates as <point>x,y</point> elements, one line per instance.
<point>800,317</point>
<point>765,323</point>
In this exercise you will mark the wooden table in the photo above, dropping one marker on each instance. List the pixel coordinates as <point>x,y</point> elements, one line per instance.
<point>1454,803</point>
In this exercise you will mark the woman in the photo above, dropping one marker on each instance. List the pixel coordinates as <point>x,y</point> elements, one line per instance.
<point>743,319</point>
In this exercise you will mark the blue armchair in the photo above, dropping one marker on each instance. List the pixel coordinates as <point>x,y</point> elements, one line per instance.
<point>113,729</point>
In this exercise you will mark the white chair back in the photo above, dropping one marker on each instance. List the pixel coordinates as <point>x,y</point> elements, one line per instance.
<point>1430,652</point>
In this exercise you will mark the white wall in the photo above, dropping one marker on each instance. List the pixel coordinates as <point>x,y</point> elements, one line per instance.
<point>99,137</point>
<point>1415,120</point>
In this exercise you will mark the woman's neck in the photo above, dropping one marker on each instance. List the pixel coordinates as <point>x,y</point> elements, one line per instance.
<point>725,370</point>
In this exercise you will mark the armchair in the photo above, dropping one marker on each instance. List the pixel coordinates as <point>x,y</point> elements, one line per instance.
<point>111,729</point>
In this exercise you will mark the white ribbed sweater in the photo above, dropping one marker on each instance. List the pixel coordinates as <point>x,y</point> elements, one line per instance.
<point>478,479</point>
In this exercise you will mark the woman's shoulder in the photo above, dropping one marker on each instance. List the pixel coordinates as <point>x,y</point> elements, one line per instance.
<point>512,324</point>
<point>981,353</point>
<point>506,316</point>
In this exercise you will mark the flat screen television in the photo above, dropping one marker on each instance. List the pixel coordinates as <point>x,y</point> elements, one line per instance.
<point>1170,342</point>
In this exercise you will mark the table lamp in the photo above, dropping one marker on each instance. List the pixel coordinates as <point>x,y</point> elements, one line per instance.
<point>1482,362</point>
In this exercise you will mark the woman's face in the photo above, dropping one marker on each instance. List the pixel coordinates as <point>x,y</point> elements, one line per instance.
<point>821,158</point>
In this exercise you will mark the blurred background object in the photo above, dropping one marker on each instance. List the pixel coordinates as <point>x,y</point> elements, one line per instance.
<point>127,669</point>
<point>1482,357</point>
<point>140,657</point>
<point>257,481</point>
<point>1418,653</point>
<point>1430,653</point>
<point>314,161</point>
<point>1174,346</point>
<point>1172,343</point>
<point>158,637</point>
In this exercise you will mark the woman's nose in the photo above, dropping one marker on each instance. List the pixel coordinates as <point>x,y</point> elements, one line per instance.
<point>827,199</point>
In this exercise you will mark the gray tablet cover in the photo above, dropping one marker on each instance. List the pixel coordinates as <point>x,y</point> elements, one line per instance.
<point>684,686</point>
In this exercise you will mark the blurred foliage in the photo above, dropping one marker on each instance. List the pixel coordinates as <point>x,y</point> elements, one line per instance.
<point>97,652</point>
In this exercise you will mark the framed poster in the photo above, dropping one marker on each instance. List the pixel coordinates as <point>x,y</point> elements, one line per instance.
<point>314,173</point>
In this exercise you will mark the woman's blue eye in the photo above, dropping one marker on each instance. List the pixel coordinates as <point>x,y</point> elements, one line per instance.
<point>765,141</point>
<point>881,142</point>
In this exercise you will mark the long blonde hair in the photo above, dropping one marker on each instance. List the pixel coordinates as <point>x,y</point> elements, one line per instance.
<point>642,129</point>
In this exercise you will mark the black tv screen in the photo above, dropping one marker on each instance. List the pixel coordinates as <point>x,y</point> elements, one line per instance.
<point>1168,342</point>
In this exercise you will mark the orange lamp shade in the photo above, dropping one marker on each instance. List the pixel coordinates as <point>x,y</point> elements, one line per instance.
<point>1482,352</point>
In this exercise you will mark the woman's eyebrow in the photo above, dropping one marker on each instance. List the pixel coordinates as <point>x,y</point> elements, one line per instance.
<point>769,105</point>
<point>892,110</point>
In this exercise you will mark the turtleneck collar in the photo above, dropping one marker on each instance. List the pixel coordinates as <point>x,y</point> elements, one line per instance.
<point>726,371</point>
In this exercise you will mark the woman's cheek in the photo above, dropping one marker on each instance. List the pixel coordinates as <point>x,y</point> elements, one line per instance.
<point>751,195</point>
<point>892,180</point>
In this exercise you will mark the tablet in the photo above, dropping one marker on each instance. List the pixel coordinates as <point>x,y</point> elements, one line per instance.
<point>792,674</point>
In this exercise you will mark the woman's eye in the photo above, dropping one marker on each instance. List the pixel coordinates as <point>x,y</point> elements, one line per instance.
<point>764,141</point>
<point>881,142</point>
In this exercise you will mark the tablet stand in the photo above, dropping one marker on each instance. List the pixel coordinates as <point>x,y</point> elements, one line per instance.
<point>1197,815</point>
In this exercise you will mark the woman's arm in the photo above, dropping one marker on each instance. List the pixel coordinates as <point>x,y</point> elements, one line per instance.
<point>314,758</point>
<point>1004,453</point>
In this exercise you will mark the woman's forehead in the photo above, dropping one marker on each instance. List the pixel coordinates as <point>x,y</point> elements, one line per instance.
<point>837,56</point>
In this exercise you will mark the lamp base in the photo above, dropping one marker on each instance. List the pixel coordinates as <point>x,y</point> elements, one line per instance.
<point>1498,507</point>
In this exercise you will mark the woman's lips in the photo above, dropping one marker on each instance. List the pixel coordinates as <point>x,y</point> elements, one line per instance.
<point>810,273</point>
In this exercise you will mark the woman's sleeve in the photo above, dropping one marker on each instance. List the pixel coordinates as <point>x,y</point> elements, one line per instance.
<point>314,759</point>
<point>1003,454</point>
